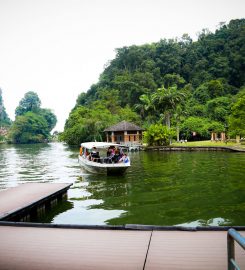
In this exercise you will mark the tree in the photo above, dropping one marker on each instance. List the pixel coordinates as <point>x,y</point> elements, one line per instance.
<point>157,135</point>
<point>236,120</point>
<point>200,128</point>
<point>215,88</point>
<point>29,128</point>
<point>4,119</point>
<point>110,98</point>
<point>179,113</point>
<point>173,80</point>
<point>87,124</point>
<point>129,115</point>
<point>201,94</point>
<point>166,101</point>
<point>32,124</point>
<point>30,103</point>
<point>219,108</point>
<point>50,117</point>
<point>145,105</point>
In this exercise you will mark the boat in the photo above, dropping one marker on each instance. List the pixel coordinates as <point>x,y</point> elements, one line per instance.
<point>103,158</point>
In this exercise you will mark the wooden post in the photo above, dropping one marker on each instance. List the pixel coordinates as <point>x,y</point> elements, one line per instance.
<point>125,136</point>
<point>112,137</point>
<point>222,136</point>
<point>138,137</point>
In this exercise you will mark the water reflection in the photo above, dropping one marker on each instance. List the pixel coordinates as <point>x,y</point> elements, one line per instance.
<point>62,207</point>
<point>211,222</point>
<point>35,163</point>
<point>83,201</point>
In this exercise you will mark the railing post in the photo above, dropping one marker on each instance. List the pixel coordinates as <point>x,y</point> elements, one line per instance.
<point>232,236</point>
<point>230,251</point>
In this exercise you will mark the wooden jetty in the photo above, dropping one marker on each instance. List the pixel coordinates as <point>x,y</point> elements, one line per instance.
<point>65,247</point>
<point>31,199</point>
<point>132,146</point>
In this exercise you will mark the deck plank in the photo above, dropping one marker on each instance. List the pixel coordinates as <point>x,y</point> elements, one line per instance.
<point>25,248</point>
<point>16,198</point>
<point>190,250</point>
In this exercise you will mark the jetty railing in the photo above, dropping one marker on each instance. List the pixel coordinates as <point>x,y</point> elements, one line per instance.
<point>231,236</point>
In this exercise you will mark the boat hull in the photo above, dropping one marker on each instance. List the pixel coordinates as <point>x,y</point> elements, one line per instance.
<point>103,168</point>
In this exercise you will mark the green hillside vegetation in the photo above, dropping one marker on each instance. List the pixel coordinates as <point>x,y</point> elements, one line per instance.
<point>4,118</point>
<point>5,121</point>
<point>187,86</point>
<point>32,123</point>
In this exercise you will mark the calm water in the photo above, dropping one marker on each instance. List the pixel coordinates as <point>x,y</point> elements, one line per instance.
<point>178,188</point>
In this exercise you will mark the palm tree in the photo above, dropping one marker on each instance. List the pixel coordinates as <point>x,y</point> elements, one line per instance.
<point>166,100</point>
<point>145,105</point>
<point>178,116</point>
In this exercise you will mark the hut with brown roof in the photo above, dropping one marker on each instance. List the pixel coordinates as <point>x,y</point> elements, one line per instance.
<point>124,132</point>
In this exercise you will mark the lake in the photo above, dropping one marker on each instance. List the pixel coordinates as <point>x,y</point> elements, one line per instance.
<point>160,188</point>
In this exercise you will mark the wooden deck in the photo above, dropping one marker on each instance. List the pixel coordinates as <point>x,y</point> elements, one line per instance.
<point>39,248</point>
<point>16,199</point>
<point>191,250</point>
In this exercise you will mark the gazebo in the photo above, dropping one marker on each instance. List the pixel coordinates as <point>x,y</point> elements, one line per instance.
<point>124,132</point>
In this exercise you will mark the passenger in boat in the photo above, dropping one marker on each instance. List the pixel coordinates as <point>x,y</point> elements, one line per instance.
<point>110,151</point>
<point>117,155</point>
<point>110,154</point>
<point>124,158</point>
<point>81,151</point>
<point>87,155</point>
<point>95,155</point>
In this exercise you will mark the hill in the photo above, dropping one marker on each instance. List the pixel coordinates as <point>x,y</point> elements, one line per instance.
<point>136,86</point>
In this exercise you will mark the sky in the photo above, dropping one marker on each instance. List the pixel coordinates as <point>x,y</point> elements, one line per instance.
<point>59,48</point>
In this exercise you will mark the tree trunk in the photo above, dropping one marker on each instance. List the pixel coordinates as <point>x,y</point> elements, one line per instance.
<point>177,131</point>
<point>167,116</point>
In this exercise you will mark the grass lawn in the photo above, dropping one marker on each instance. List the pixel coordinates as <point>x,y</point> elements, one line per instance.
<point>209,143</point>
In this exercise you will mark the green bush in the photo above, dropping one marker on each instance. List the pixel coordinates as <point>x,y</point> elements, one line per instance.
<point>157,135</point>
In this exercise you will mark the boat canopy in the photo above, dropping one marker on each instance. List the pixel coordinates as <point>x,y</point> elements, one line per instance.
<point>90,145</point>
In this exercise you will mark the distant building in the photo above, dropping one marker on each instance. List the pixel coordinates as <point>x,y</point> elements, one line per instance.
<point>124,132</point>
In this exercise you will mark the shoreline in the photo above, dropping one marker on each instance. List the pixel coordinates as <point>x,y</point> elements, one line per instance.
<point>193,148</point>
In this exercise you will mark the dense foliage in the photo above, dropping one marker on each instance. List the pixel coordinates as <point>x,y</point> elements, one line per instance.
<point>190,85</point>
<point>237,118</point>
<point>87,123</point>
<point>32,123</point>
<point>158,135</point>
<point>4,119</point>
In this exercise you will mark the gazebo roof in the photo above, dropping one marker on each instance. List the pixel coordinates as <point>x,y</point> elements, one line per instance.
<point>124,126</point>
